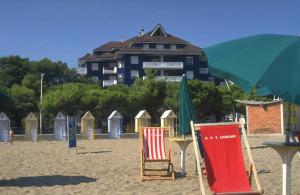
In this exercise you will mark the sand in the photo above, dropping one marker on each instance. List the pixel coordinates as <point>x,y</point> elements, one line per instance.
<point>106,166</point>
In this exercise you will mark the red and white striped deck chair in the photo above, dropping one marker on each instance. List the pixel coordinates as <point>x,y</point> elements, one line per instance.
<point>153,149</point>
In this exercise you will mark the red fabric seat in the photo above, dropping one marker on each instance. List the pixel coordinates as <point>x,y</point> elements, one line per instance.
<point>154,144</point>
<point>224,162</point>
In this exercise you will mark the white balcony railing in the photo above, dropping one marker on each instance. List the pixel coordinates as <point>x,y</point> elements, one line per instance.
<point>163,65</point>
<point>107,83</point>
<point>167,78</point>
<point>82,71</point>
<point>110,70</point>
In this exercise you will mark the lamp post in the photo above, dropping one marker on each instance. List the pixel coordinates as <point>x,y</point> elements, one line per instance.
<point>42,76</point>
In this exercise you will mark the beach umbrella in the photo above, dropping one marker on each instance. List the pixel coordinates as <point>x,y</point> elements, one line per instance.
<point>186,108</point>
<point>269,63</point>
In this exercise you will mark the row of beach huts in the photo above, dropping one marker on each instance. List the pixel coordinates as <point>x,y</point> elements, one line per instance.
<point>87,125</point>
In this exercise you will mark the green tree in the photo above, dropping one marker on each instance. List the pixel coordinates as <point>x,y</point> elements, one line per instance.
<point>32,81</point>
<point>24,101</point>
<point>148,94</point>
<point>172,96</point>
<point>5,100</point>
<point>205,97</point>
<point>13,69</point>
<point>64,98</point>
<point>55,72</point>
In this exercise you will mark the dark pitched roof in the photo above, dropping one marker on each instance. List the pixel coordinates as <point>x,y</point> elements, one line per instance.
<point>147,38</point>
<point>88,57</point>
<point>187,49</point>
<point>111,45</point>
<point>111,49</point>
<point>107,55</point>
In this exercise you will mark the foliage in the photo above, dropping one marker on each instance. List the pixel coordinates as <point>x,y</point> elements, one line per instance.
<point>24,101</point>
<point>148,94</point>
<point>12,70</point>
<point>64,91</point>
<point>5,100</point>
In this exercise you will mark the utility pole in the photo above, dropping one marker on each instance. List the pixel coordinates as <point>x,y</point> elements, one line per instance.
<point>42,76</point>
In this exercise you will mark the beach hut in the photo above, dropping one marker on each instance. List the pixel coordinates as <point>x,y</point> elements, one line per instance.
<point>115,125</point>
<point>60,127</point>
<point>270,117</point>
<point>169,119</point>
<point>88,126</point>
<point>31,127</point>
<point>142,119</point>
<point>4,127</point>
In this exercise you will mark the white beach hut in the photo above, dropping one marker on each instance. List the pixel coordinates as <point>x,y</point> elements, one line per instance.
<point>142,119</point>
<point>60,127</point>
<point>31,127</point>
<point>88,126</point>
<point>115,125</point>
<point>169,119</point>
<point>4,127</point>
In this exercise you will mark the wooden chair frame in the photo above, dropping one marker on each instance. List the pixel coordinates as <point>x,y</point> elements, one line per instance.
<point>252,167</point>
<point>170,175</point>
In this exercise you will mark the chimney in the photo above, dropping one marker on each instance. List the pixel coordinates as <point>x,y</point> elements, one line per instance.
<point>141,33</point>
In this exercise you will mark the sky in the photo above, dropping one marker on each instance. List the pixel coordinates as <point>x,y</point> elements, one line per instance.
<point>66,30</point>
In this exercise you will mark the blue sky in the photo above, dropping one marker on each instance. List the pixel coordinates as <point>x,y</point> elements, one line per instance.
<point>67,29</point>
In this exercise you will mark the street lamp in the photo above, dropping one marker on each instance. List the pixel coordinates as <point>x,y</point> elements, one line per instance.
<point>42,76</point>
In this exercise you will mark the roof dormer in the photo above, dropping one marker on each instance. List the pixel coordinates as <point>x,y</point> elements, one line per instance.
<point>159,31</point>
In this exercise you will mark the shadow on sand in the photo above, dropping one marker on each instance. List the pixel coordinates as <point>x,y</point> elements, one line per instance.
<point>49,180</point>
<point>258,147</point>
<point>97,152</point>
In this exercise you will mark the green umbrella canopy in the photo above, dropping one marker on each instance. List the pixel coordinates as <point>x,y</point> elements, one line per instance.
<point>269,63</point>
<point>186,108</point>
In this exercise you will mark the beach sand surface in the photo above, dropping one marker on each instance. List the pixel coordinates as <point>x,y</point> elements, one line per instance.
<point>106,166</point>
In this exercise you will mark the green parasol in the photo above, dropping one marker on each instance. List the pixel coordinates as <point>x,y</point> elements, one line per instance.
<point>186,108</point>
<point>269,63</point>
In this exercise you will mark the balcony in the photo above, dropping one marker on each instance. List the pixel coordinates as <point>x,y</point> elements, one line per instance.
<point>163,65</point>
<point>107,70</point>
<point>107,83</point>
<point>167,78</point>
<point>82,71</point>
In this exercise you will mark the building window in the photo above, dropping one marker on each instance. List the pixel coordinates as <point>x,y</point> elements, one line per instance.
<point>146,46</point>
<point>159,46</point>
<point>211,79</point>
<point>95,66</point>
<point>189,60</point>
<point>190,75</point>
<point>120,64</point>
<point>134,59</point>
<point>173,47</point>
<point>94,78</point>
<point>134,74</point>
<point>203,70</point>
<point>121,78</point>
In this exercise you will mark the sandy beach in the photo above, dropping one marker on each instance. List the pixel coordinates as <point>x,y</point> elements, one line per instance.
<point>106,166</point>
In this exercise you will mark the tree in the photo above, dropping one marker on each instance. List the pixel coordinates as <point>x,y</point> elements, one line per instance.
<point>13,69</point>
<point>55,72</point>
<point>64,98</point>
<point>32,81</point>
<point>24,101</point>
<point>205,97</point>
<point>148,94</point>
<point>172,96</point>
<point>5,100</point>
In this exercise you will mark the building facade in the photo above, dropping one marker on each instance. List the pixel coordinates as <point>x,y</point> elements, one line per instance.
<point>122,62</point>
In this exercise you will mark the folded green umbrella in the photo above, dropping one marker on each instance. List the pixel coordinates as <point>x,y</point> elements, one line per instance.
<point>186,108</point>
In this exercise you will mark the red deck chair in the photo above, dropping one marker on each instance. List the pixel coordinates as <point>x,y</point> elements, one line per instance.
<point>223,157</point>
<point>153,150</point>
